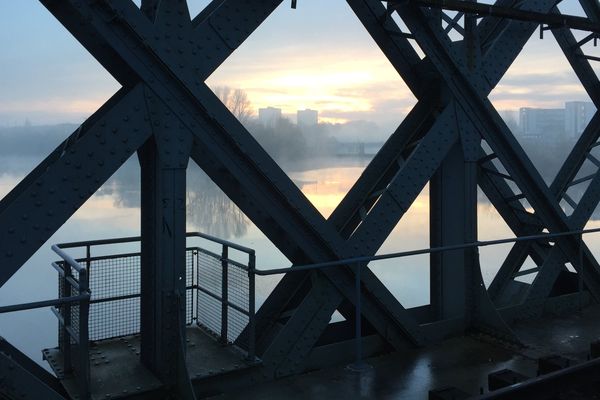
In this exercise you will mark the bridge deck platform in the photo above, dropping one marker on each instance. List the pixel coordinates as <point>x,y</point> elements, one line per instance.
<point>461,362</point>
<point>116,371</point>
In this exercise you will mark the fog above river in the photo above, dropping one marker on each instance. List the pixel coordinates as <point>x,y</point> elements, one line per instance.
<point>113,211</point>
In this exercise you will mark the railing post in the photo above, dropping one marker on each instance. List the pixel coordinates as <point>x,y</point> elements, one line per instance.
<point>84,356</point>
<point>66,314</point>
<point>580,273</point>
<point>358,317</point>
<point>358,365</point>
<point>88,255</point>
<point>252,306</point>
<point>224,293</point>
<point>196,284</point>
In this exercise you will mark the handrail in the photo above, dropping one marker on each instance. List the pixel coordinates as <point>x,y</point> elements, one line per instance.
<point>70,260</point>
<point>99,242</point>
<point>81,285</point>
<point>358,260</point>
<point>44,303</point>
<point>131,239</point>
<point>357,263</point>
<point>222,256</point>
<point>221,241</point>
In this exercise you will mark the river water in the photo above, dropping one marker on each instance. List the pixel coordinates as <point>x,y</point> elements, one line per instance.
<point>114,211</point>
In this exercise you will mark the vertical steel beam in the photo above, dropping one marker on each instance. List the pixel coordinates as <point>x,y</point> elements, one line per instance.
<point>453,212</point>
<point>163,161</point>
<point>453,220</point>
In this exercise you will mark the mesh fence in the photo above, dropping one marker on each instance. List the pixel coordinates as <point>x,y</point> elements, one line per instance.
<point>66,290</point>
<point>115,302</point>
<point>190,267</point>
<point>115,295</point>
<point>69,314</point>
<point>209,287</point>
<point>239,294</point>
<point>210,294</point>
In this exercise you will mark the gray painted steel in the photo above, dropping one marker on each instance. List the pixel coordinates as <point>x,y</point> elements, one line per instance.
<point>168,115</point>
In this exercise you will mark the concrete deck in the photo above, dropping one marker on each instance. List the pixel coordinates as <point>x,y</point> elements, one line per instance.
<point>117,373</point>
<point>462,362</point>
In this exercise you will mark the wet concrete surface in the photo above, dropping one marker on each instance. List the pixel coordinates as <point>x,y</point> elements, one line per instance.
<point>462,362</point>
<point>116,371</point>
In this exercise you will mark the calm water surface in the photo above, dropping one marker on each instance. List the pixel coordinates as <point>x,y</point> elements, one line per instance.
<point>114,211</point>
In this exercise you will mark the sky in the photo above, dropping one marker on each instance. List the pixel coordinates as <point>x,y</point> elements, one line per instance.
<point>318,56</point>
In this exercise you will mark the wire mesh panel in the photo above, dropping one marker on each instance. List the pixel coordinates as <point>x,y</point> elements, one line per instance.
<point>210,295</point>
<point>114,318</point>
<point>67,290</point>
<point>190,258</point>
<point>209,290</point>
<point>114,283</point>
<point>74,323</point>
<point>238,295</point>
<point>115,303</point>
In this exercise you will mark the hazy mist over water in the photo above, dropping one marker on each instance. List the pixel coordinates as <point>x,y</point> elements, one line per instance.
<point>114,211</point>
<point>318,56</point>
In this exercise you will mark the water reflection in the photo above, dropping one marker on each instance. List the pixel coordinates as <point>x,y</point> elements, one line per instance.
<point>209,210</point>
<point>114,211</point>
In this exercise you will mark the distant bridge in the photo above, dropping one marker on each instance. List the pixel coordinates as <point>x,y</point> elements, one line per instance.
<point>358,149</point>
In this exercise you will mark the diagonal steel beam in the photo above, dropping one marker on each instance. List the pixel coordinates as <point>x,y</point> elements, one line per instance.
<point>406,184</point>
<point>490,125</point>
<point>501,43</point>
<point>566,174</point>
<point>571,166</point>
<point>527,29</point>
<point>374,17</point>
<point>501,55</point>
<point>384,166</point>
<point>69,176</point>
<point>198,108</point>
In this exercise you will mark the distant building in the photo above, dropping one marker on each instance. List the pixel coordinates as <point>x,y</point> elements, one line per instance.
<point>269,116</point>
<point>577,116</point>
<point>308,117</point>
<point>542,123</point>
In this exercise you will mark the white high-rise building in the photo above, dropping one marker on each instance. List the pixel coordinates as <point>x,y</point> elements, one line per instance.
<point>307,117</point>
<point>269,117</point>
<point>542,123</point>
<point>577,116</point>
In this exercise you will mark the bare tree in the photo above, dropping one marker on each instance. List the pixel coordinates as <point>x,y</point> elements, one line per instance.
<point>236,101</point>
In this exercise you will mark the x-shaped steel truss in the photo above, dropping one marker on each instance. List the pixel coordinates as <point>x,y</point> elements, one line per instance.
<point>162,58</point>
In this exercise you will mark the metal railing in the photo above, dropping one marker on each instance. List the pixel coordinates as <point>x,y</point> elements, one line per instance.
<point>107,304</point>
<point>74,299</point>
<point>230,283</point>
<point>220,290</point>
<point>77,297</point>
<point>358,263</point>
<point>72,319</point>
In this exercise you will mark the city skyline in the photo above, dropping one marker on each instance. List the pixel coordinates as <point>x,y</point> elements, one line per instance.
<point>49,78</point>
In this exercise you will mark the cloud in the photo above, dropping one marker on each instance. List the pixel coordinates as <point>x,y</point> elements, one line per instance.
<point>537,90</point>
